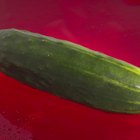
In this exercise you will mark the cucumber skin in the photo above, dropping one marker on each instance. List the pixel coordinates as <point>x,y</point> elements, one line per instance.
<point>70,71</point>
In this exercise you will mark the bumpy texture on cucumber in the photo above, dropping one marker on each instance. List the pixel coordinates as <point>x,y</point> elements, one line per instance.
<point>70,71</point>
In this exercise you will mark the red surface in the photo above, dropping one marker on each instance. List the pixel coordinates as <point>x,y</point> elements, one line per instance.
<point>109,26</point>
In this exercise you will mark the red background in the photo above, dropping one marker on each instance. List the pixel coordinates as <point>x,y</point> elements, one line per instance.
<point>108,26</point>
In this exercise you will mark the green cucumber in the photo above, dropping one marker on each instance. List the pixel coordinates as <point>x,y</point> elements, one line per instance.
<point>70,71</point>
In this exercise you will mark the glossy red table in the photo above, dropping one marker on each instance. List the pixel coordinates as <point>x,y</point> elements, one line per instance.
<point>108,26</point>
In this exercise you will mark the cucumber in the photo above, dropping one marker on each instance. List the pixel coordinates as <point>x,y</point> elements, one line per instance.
<point>70,71</point>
